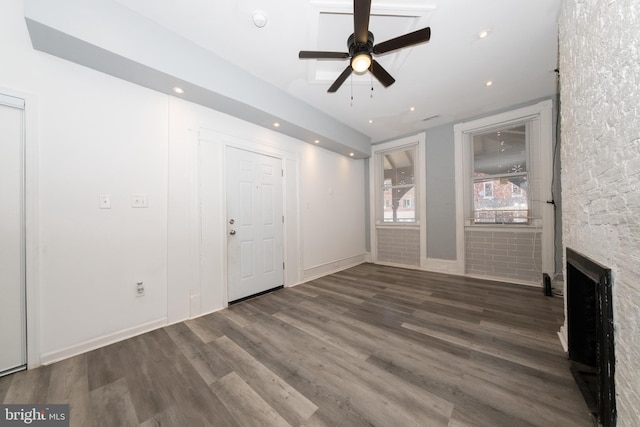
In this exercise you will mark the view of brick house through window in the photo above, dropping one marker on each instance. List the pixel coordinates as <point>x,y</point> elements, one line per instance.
<point>500,177</point>
<point>399,186</point>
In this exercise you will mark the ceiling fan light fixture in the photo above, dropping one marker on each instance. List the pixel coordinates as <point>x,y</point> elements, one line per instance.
<point>361,62</point>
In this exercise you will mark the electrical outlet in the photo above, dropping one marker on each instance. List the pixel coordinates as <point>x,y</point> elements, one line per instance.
<point>139,289</point>
<point>105,201</point>
<point>139,200</point>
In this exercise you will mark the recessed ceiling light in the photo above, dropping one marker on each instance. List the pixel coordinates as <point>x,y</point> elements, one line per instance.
<point>177,89</point>
<point>317,141</point>
<point>370,121</point>
<point>483,34</point>
<point>489,83</point>
<point>412,109</point>
<point>351,154</point>
<point>276,125</point>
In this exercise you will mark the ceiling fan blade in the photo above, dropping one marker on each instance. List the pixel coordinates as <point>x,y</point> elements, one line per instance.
<point>409,39</point>
<point>361,12</point>
<point>381,74</point>
<point>312,54</point>
<point>341,78</point>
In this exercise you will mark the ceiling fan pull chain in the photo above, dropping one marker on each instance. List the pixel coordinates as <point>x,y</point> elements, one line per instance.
<point>351,78</point>
<point>372,87</point>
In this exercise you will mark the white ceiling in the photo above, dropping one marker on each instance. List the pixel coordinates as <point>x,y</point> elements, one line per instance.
<point>444,77</point>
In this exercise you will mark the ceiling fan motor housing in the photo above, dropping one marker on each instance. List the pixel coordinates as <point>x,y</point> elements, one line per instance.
<point>356,48</point>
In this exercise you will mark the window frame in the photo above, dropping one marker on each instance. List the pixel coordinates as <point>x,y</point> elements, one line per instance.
<point>375,204</point>
<point>540,176</point>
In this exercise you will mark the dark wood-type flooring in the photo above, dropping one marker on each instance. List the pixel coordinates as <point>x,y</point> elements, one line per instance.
<point>371,345</point>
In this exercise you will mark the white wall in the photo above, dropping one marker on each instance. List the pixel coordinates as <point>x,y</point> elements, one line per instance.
<point>100,135</point>
<point>600,112</point>
<point>333,204</point>
<point>96,135</point>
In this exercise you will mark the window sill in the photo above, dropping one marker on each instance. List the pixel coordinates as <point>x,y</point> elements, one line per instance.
<point>527,228</point>
<point>414,225</point>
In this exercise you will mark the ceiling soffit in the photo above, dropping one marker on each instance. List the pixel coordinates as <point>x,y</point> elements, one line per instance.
<point>108,37</point>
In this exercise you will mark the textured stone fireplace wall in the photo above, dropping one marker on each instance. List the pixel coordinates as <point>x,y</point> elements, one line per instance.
<point>600,138</point>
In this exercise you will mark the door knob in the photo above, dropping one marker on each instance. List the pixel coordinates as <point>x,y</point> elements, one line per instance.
<point>232,232</point>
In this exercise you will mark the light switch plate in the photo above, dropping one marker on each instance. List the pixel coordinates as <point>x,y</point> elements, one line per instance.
<point>139,200</point>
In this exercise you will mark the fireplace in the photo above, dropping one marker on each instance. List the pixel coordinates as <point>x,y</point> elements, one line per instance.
<point>590,334</point>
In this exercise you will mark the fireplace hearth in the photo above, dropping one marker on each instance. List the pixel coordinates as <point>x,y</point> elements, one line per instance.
<point>590,334</point>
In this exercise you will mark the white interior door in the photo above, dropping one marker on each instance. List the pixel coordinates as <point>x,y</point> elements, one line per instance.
<point>255,242</point>
<point>12,277</point>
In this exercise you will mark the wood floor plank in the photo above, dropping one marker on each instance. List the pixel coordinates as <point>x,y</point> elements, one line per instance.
<point>105,365</point>
<point>470,412</point>
<point>321,334</point>
<point>202,357</point>
<point>69,384</point>
<point>29,386</point>
<point>515,404</point>
<point>112,405</point>
<point>5,383</point>
<point>203,329</point>
<point>368,346</point>
<point>254,411</point>
<point>375,394</point>
<point>284,399</point>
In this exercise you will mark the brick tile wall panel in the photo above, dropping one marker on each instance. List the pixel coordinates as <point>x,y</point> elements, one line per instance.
<point>504,254</point>
<point>399,246</point>
<point>600,155</point>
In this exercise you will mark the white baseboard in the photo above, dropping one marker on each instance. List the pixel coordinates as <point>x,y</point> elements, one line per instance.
<point>332,267</point>
<point>393,264</point>
<point>74,350</point>
<point>443,266</point>
<point>562,334</point>
<point>507,280</point>
<point>454,268</point>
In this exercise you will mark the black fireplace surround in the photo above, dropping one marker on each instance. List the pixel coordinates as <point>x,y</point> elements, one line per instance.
<point>590,334</point>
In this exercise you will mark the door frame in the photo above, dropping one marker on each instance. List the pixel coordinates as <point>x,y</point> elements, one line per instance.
<point>30,181</point>
<point>290,188</point>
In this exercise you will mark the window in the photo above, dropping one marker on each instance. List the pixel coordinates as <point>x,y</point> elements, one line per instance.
<point>500,176</point>
<point>516,191</point>
<point>398,186</point>
<point>487,191</point>
<point>532,173</point>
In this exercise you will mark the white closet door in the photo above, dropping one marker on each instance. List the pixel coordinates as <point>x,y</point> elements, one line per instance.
<point>12,277</point>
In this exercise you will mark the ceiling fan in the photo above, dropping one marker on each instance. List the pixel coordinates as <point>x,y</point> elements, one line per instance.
<point>361,48</point>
